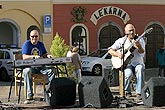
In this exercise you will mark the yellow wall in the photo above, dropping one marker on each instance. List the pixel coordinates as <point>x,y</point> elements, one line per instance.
<point>27,13</point>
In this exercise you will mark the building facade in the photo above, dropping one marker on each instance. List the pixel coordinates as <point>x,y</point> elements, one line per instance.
<point>18,17</point>
<point>87,24</point>
<point>95,24</point>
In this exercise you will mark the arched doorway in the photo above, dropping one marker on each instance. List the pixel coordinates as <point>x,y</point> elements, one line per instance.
<point>154,41</point>
<point>107,36</point>
<point>9,32</point>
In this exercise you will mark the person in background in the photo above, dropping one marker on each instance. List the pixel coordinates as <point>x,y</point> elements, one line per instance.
<point>69,53</point>
<point>160,57</point>
<point>77,63</point>
<point>33,49</point>
<point>136,65</point>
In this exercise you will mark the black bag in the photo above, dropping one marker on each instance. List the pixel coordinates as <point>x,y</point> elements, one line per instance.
<point>61,92</point>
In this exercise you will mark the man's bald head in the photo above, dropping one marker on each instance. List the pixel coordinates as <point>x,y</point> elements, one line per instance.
<point>129,29</point>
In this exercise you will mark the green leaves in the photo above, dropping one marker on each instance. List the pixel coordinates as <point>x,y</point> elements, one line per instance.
<point>58,47</point>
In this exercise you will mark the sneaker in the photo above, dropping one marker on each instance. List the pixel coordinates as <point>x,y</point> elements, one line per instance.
<point>138,97</point>
<point>30,98</point>
<point>28,101</point>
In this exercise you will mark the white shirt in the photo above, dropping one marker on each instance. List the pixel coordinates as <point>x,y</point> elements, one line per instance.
<point>69,54</point>
<point>138,57</point>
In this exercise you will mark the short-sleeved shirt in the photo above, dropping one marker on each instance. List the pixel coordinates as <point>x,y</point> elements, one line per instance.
<point>30,49</point>
<point>138,57</point>
<point>76,60</point>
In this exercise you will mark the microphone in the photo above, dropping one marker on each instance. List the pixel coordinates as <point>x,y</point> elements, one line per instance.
<point>135,37</point>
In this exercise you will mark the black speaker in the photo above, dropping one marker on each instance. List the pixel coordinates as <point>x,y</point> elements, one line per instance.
<point>153,93</point>
<point>107,74</point>
<point>111,77</point>
<point>61,92</point>
<point>94,91</point>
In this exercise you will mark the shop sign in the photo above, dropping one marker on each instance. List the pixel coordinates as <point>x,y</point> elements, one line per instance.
<point>109,10</point>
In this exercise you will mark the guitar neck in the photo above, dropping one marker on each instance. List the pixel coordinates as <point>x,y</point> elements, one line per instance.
<point>133,43</point>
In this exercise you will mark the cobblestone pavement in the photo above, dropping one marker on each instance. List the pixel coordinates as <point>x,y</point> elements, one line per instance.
<point>40,104</point>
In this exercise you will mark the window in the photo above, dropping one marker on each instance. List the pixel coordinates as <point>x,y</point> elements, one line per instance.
<point>108,35</point>
<point>154,41</point>
<point>79,39</point>
<point>1,55</point>
<point>7,55</point>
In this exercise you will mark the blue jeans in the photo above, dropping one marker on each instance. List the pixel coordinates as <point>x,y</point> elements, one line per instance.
<point>139,72</point>
<point>28,77</point>
<point>77,73</point>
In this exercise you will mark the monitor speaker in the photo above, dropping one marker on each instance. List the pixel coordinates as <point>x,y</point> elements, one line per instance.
<point>153,93</point>
<point>94,91</point>
<point>61,92</point>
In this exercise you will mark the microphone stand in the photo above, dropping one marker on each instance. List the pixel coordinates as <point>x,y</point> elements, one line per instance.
<point>122,68</point>
<point>122,101</point>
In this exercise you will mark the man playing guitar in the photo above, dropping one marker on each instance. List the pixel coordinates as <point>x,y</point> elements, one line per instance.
<point>136,64</point>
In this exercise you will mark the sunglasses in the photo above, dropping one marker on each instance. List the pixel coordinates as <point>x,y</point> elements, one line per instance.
<point>34,36</point>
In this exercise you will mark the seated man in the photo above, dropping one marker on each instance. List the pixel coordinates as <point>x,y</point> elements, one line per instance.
<point>34,48</point>
<point>136,64</point>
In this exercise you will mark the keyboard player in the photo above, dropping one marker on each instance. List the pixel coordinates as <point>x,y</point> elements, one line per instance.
<point>34,48</point>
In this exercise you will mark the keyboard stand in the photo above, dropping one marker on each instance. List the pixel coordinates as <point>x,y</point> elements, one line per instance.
<point>21,71</point>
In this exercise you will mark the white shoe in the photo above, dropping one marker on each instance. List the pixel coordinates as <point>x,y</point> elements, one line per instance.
<point>28,101</point>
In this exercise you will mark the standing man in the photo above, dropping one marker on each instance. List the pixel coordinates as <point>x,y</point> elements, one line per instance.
<point>136,65</point>
<point>77,63</point>
<point>33,49</point>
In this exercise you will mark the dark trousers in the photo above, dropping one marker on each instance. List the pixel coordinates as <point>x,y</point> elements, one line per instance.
<point>161,68</point>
